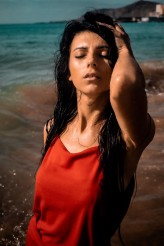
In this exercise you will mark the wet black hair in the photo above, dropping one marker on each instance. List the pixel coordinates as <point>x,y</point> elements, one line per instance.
<point>110,140</point>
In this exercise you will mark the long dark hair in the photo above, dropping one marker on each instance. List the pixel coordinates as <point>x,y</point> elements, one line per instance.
<point>110,141</point>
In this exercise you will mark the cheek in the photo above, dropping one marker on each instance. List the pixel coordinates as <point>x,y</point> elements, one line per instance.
<point>72,72</point>
<point>75,69</point>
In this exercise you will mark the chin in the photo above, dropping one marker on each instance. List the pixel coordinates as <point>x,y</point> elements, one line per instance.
<point>94,93</point>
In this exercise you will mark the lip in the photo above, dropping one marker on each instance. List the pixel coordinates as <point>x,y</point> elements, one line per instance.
<point>91,76</point>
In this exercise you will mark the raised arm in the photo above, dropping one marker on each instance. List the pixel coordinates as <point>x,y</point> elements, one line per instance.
<point>129,102</point>
<point>128,96</point>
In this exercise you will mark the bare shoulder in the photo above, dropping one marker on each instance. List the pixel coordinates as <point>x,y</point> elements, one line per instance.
<point>47,128</point>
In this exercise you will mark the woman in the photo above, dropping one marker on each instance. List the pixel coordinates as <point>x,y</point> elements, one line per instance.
<point>95,139</point>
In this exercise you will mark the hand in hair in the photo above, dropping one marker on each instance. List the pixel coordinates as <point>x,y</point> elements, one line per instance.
<point>122,39</point>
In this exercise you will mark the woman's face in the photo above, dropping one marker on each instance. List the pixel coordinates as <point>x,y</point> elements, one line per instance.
<point>89,65</point>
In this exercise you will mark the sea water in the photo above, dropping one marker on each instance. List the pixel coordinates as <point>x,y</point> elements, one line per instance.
<point>27,50</point>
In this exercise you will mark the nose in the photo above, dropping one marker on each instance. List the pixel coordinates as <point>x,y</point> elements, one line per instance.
<point>91,64</point>
<point>91,61</point>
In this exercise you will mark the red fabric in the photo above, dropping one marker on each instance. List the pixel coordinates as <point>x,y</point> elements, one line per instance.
<point>67,207</point>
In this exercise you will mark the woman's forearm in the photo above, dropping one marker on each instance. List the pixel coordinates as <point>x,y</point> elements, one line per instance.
<point>128,97</point>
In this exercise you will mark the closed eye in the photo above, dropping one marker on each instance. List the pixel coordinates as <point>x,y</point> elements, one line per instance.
<point>79,56</point>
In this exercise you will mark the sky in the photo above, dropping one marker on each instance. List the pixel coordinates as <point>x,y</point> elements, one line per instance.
<point>31,11</point>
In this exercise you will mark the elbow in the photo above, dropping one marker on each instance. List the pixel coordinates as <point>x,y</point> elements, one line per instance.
<point>142,139</point>
<point>152,130</point>
<point>148,138</point>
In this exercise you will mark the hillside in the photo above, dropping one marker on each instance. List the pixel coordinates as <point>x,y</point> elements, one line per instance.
<point>135,11</point>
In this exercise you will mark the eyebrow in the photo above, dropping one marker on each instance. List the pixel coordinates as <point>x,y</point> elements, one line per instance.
<point>100,47</point>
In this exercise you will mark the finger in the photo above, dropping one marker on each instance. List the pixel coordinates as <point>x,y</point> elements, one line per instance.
<point>106,25</point>
<point>119,28</point>
<point>117,24</point>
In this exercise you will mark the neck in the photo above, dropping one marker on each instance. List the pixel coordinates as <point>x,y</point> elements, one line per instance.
<point>83,131</point>
<point>90,110</point>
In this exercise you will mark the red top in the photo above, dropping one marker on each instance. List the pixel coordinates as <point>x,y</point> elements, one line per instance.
<point>68,209</point>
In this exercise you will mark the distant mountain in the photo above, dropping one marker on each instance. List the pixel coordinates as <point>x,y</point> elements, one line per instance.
<point>133,12</point>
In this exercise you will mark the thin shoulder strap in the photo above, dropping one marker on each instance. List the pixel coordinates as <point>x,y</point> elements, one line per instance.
<point>49,124</point>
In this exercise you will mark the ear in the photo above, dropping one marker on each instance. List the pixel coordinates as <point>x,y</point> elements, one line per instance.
<point>69,78</point>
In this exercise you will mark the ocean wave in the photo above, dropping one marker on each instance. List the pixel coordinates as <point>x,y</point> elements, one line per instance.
<point>154,75</point>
